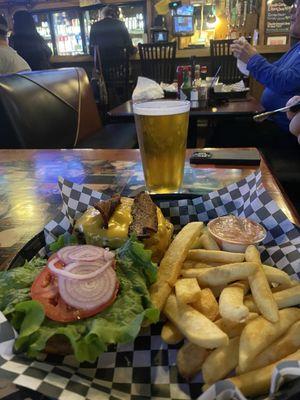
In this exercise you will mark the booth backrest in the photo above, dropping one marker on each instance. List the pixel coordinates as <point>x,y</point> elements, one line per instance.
<point>46,109</point>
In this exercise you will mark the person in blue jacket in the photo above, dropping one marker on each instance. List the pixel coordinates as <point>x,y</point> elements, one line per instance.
<point>281,78</point>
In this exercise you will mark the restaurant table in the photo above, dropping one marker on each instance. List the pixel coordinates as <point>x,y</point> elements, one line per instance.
<point>29,194</point>
<point>246,107</point>
<point>235,107</point>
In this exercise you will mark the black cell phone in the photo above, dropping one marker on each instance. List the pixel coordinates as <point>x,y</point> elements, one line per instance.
<point>226,157</point>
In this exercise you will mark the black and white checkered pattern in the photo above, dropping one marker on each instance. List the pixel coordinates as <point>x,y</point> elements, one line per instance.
<point>249,199</point>
<point>146,369</point>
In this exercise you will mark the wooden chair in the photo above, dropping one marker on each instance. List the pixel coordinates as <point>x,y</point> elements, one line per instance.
<point>158,61</point>
<point>115,67</point>
<point>221,56</point>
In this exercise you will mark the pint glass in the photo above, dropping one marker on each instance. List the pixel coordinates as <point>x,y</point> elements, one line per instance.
<point>162,128</point>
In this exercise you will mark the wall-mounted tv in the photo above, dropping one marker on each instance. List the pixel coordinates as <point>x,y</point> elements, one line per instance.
<point>185,10</point>
<point>183,25</point>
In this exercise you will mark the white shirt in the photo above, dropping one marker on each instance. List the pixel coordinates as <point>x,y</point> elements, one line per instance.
<point>11,62</point>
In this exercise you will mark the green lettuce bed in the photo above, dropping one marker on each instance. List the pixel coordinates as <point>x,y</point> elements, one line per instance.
<point>120,323</point>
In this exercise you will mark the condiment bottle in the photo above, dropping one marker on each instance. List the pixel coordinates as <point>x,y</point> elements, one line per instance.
<point>194,96</point>
<point>186,86</point>
<point>203,72</point>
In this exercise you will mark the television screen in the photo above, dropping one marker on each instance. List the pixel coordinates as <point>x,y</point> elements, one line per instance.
<point>183,25</point>
<point>160,37</point>
<point>185,10</point>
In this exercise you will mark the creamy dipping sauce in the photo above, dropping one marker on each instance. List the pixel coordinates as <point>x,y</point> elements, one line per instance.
<point>237,230</point>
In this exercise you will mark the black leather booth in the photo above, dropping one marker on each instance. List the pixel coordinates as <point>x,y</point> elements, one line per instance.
<point>55,109</point>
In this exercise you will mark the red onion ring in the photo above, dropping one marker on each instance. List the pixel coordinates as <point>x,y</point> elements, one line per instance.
<point>87,294</point>
<point>98,269</point>
<point>87,253</point>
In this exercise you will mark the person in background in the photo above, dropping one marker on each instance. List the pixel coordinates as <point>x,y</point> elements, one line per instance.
<point>281,79</point>
<point>10,61</point>
<point>28,43</point>
<point>110,33</point>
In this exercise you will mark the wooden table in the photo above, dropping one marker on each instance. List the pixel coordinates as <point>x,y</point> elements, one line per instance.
<point>214,115</point>
<point>241,107</point>
<point>29,196</point>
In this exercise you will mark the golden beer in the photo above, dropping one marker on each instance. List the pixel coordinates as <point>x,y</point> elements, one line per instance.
<point>162,128</point>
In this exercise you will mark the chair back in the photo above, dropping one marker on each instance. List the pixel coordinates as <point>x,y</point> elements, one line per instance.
<point>115,67</point>
<point>46,109</point>
<point>221,55</point>
<point>158,61</point>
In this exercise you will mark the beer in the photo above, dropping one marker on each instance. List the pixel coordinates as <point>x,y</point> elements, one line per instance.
<point>162,132</point>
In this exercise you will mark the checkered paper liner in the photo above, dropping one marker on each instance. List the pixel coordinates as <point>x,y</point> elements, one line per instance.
<point>146,369</point>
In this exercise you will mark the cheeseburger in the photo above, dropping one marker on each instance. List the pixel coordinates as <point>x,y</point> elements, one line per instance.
<point>109,223</point>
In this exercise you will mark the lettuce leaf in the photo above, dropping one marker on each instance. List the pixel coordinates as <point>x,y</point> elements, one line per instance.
<point>15,284</point>
<point>119,323</point>
<point>62,241</point>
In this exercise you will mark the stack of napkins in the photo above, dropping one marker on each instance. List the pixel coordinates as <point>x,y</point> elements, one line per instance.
<point>147,89</point>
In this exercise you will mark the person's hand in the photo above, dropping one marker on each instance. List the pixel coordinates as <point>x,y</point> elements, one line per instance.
<point>294,117</point>
<point>243,50</point>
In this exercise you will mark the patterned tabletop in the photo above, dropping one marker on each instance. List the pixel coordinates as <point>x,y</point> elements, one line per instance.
<point>29,195</point>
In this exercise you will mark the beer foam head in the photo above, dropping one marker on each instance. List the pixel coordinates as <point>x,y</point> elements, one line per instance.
<point>161,107</point>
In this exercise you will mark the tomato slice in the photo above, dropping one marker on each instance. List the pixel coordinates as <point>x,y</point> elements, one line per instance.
<point>45,290</point>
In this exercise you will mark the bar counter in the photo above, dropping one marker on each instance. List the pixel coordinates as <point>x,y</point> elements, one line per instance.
<point>180,54</point>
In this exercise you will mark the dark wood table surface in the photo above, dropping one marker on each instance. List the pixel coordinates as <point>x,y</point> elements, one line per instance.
<point>237,107</point>
<point>29,195</point>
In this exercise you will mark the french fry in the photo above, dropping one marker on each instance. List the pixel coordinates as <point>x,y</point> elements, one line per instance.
<point>193,264</point>
<point>208,242</point>
<point>260,333</point>
<point>287,344</point>
<point>276,275</point>
<point>252,254</point>
<point>221,275</point>
<point>190,359</point>
<point>216,290</point>
<point>233,329</point>
<point>208,256</point>
<point>193,325</point>
<point>172,261</point>
<point>170,334</point>
<point>187,290</point>
<point>197,243</point>
<point>260,288</point>
<point>295,282</point>
<point>207,304</point>
<point>231,303</point>
<point>277,288</point>
<point>286,298</point>
<point>257,382</point>
<point>159,292</point>
<point>221,361</point>
<point>189,264</point>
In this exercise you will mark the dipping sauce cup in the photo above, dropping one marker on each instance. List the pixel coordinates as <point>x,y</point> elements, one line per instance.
<point>236,234</point>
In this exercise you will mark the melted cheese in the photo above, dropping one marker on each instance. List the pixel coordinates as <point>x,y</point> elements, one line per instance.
<point>120,220</point>
<point>91,224</point>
